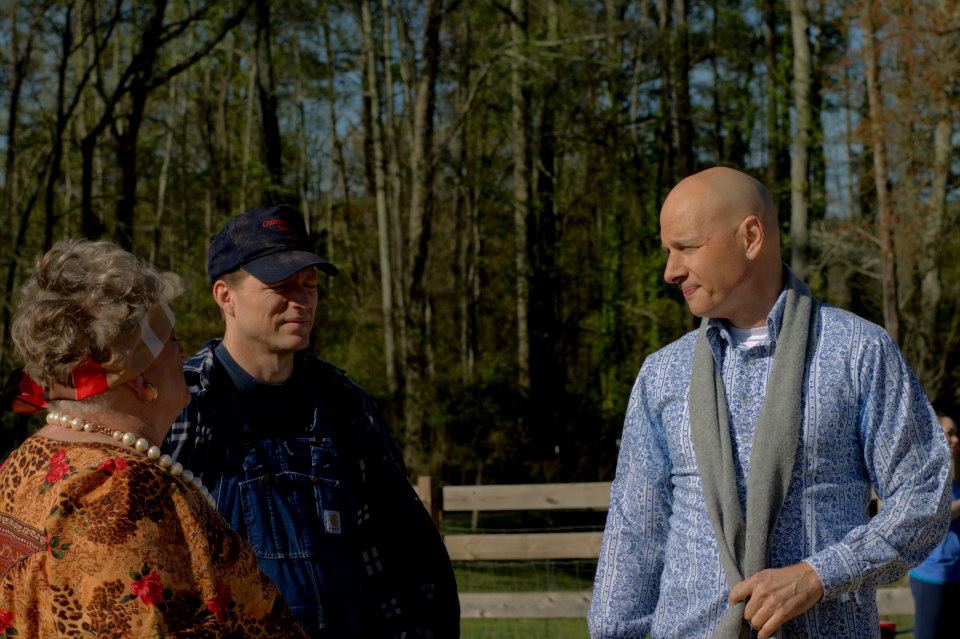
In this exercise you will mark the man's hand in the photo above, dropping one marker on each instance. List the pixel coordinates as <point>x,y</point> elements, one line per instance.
<point>777,595</point>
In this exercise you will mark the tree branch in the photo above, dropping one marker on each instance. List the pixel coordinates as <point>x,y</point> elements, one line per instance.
<point>198,55</point>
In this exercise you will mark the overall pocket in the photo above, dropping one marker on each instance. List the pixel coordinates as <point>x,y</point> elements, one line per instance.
<point>293,516</point>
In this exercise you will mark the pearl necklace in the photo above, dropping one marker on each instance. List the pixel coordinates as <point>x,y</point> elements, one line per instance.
<point>141,444</point>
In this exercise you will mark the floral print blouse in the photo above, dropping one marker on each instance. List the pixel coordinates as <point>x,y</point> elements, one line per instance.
<point>99,541</point>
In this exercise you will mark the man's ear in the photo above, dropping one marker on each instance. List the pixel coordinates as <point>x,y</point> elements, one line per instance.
<point>223,296</point>
<point>751,235</point>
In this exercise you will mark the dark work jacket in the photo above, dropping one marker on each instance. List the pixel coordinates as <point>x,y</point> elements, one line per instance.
<point>304,501</point>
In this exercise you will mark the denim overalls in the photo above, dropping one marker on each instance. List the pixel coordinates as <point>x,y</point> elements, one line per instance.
<point>289,485</point>
<point>289,496</point>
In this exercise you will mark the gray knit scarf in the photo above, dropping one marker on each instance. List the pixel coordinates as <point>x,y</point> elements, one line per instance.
<point>744,546</point>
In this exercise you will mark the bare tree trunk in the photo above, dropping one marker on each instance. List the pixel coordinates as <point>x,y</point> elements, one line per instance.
<point>339,160</point>
<point>462,248</point>
<point>126,154</point>
<point>212,112</point>
<point>521,190</point>
<point>421,152</point>
<point>463,190</point>
<point>681,76</point>
<point>407,66</point>
<point>383,224</point>
<point>772,176</point>
<point>473,280</point>
<point>90,225</point>
<point>817,189</point>
<point>667,159</point>
<point>20,208</point>
<point>933,363</point>
<point>221,137</point>
<point>162,178</point>
<point>332,114</point>
<point>799,208</point>
<point>853,193</point>
<point>392,149</point>
<point>91,163</point>
<point>891,314</point>
<point>303,159</point>
<point>126,138</point>
<point>635,83</point>
<point>18,67</point>
<point>420,224</point>
<point>60,129</point>
<point>611,214</point>
<point>467,238</point>
<point>428,354</point>
<point>247,136</point>
<point>715,107</point>
<point>177,101</point>
<point>933,229</point>
<point>11,195</point>
<point>11,280</point>
<point>267,93</point>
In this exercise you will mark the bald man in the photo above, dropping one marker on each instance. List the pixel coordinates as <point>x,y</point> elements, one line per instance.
<point>750,447</point>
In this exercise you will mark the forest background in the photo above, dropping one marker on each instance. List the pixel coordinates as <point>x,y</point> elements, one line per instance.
<point>488,175</point>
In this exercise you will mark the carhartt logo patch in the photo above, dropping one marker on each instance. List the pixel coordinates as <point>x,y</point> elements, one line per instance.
<point>331,521</point>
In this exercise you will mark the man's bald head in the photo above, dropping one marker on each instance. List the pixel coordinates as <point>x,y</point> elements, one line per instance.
<point>719,230</point>
<point>733,196</point>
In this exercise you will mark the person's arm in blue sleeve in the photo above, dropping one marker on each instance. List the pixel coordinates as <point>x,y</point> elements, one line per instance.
<point>627,584</point>
<point>907,459</point>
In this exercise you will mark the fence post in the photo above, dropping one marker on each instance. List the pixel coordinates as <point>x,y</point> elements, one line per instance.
<point>432,498</point>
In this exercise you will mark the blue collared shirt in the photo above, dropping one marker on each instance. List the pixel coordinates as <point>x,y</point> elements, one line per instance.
<point>866,422</point>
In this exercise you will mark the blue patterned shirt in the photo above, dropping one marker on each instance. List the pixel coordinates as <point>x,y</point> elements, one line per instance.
<point>866,422</point>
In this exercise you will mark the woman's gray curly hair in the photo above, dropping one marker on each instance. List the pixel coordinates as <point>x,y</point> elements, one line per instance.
<point>81,297</point>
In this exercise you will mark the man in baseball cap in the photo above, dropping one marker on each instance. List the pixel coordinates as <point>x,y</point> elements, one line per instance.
<point>297,456</point>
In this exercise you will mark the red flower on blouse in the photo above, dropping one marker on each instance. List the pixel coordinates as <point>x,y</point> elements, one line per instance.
<point>148,588</point>
<point>217,604</point>
<point>58,467</point>
<point>113,465</point>
<point>6,618</point>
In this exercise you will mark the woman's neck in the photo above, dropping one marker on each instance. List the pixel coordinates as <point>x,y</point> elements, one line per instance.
<point>113,418</point>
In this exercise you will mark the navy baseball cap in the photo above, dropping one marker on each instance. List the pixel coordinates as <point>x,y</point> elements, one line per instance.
<point>269,243</point>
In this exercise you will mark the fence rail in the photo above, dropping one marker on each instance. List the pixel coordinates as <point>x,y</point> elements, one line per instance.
<point>531,546</point>
<point>544,546</point>
<point>581,496</point>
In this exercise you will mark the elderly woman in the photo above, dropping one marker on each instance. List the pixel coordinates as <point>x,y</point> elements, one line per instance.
<point>100,534</point>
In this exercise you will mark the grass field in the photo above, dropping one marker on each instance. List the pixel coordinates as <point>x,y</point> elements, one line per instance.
<point>523,629</point>
<point>565,628</point>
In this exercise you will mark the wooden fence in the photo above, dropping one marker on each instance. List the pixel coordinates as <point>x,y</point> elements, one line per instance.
<point>544,546</point>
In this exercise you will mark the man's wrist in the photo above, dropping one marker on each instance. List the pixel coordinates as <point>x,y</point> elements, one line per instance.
<point>812,580</point>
